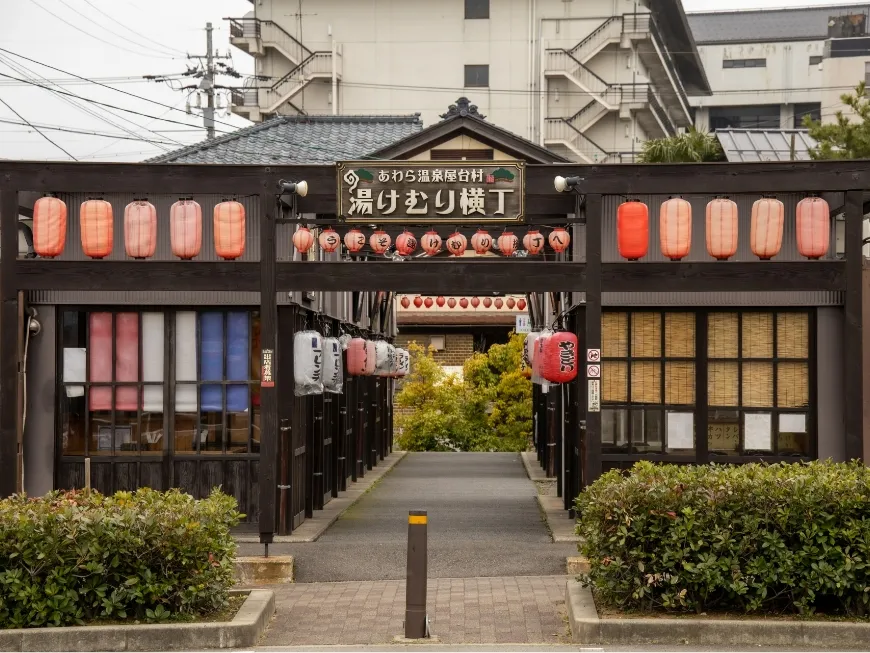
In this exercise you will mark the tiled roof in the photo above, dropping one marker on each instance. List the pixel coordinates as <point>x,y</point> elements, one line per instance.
<point>299,139</point>
<point>764,144</point>
<point>761,26</point>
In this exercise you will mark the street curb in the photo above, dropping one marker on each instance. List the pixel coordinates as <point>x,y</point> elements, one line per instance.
<point>242,632</point>
<point>587,628</point>
<point>561,527</point>
<point>258,570</point>
<point>311,529</point>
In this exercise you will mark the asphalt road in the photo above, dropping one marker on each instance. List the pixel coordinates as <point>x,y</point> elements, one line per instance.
<point>483,521</point>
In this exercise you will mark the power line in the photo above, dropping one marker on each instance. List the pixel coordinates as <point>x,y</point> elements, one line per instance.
<point>151,42</point>
<point>78,131</point>
<point>40,133</point>
<point>94,36</point>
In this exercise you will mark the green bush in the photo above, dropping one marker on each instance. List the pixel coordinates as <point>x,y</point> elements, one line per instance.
<point>754,538</point>
<point>69,557</point>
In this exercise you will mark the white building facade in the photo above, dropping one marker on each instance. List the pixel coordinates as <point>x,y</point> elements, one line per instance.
<point>768,69</point>
<point>589,79</point>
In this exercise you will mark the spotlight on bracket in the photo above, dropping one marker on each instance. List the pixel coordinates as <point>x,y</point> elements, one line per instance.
<point>299,188</point>
<point>561,184</point>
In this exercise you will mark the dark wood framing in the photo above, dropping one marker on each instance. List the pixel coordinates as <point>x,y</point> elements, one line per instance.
<point>429,276</point>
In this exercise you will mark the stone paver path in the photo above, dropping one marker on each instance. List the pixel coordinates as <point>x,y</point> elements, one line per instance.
<point>517,610</point>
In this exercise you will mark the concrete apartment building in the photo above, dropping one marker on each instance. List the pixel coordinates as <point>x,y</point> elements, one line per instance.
<point>770,68</point>
<point>588,79</point>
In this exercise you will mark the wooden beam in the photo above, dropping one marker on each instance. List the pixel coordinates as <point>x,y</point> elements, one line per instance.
<point>9,403</point>
<point>594,284</point>
<point>724,277</point>
<point>853,357</point>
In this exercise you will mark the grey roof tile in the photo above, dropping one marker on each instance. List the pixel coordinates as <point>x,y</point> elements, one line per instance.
<point>761,26</point>
<point>764,144</point>
<point>300,140</point>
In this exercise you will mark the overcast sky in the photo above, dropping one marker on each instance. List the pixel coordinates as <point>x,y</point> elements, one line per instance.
<point>115,42</point>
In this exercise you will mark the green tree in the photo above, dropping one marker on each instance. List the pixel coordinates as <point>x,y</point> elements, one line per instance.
<point>691,147</point>
<point>848,137</point>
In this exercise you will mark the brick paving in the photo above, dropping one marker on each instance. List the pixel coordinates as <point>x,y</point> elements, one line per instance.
<point>515,610</point>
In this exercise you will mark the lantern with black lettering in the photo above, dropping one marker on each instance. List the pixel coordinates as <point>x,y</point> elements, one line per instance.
<point>333,370</point>
<point>431,242</point>
<point>329,240</point>
<point>406,243</point>
<point>357,354</point>
<point>308,363</point>
<point>457,244</point>
<point>559,363</point>
<point>380,242</point>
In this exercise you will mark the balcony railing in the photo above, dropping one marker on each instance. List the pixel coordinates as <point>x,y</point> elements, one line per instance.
<point>559,60</point>
<point>317,63</point>
<point>559,129</point>
<point>604,32</point>
<point>244,97</point>
<point>647,94</point>
<point>271,34</point>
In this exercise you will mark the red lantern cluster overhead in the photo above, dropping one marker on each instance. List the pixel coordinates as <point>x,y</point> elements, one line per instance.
<point>463,302</point>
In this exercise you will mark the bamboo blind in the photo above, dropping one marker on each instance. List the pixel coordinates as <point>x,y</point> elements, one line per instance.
<point>792,335</point>
<point>758,385</point>
<point>792,385</point>
<point>680,335</point>
<point>646,335</point>
<point>646,382</point>
<point>680,383</point>
<point>757,335</point>
<point>614,381</point>
<point>614,335</point>
<point>722,332</point>
<point>722,377</point>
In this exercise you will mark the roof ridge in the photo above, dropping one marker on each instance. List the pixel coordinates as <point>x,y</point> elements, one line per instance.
<point>773,10</point>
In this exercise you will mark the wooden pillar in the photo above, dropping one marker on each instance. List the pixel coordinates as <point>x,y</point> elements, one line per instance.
<point>8,343</point>
<point>702,454</point>
<point>268,390</point>
<point>594,216</point>
<point>852,350</point>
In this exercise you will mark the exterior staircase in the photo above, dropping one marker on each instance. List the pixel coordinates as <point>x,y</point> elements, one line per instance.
<point>561,63</point>
<point>561,132</point>
<point>318,65</point>
<point>610,31</point>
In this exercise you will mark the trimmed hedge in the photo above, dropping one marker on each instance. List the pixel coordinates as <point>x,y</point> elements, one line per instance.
<point>69,557</point>
<point>752,538</point>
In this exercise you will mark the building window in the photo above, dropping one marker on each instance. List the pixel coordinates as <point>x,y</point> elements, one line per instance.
<point>811,109</point>
<point>476,9</point>
<point>758,385</point>
<point>114,372</point>
<point>648,382</point>
<point>476,76</point>
<point>744,63</point>
<point>816,59</point>
<point>745,117</point>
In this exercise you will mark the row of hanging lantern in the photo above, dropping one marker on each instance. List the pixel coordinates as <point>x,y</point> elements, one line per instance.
<point>318,361</point>
<point>140,228</point>
<point>464,302</point>
<point>551,357</point>
<point>812,215</point>
<point>431,243</point>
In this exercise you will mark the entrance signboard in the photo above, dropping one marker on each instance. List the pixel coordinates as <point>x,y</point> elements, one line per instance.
<point>452,192</point>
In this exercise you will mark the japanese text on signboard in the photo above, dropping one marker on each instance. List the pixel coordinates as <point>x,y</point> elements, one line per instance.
<point>431,192</point>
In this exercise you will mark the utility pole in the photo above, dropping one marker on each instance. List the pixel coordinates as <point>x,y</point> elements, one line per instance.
<point>208,84</point>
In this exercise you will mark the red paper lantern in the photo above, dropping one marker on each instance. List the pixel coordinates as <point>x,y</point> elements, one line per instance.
<point>428,302</point>
<point>303,239</point>
<point>418,301</point>
<point>329,240</point>
<point>511,302</point>
<point>357,355</point>
<point>721,228</point>
<point>507,243</point>
<point>533,242</point>
<point>140,229</point>
<point>487,302</point>
<point>475,302</point>
<point>97,227</point>
<point>675,228</point>
<point>481,242</point>
<point>813,227</point>
<point>431,242</point>
<point>380,242</point>
<point>354,240</point>
<point>521,304</point>
<point>559,239</point>
<point>765,231</point>
<point>451,303</point>
<point>406,243</point>
<point>371,357</point>
<point>229,230</point>
<point>440,301</point>
<point>406,303</point>
<point>632,230</point>
<point>49,227</point>
<point>463,302</point>
<point>456,244</point>
<point>559,360</point>
<point>499,303</point>
<point>185,229</point>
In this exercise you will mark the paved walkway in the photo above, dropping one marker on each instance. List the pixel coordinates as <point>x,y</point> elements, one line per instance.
<point>484,521</point>
<point>461,611</point>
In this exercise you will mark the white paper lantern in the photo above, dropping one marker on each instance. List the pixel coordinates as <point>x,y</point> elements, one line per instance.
<point>384,355</point>
<point>308,363</point>
<point>529,348</point>
<point>333,367</point>
<point>404,357</point>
